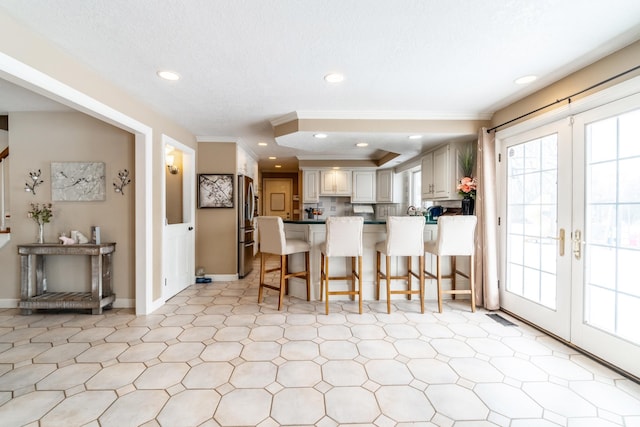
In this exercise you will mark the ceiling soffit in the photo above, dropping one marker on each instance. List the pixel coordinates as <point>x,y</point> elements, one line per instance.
<point>387,139</point>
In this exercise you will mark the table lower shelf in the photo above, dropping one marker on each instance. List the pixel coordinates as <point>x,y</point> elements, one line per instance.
<point>71,300</point>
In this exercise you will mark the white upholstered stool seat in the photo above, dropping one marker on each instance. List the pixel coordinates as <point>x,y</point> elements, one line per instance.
<point>456,237</point>
<point>274,242</point>
<point>344,239</point>
<point>405,237</point>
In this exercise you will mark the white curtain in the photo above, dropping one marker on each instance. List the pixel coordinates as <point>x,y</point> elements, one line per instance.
<point>486,268</point>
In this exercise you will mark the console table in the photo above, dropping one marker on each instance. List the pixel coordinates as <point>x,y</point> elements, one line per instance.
<point>33,285</point>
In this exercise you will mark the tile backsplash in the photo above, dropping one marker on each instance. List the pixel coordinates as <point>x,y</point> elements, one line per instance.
<point>342,206</point>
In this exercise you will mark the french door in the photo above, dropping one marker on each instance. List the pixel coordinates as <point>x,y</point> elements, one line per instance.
<point>572,230</point>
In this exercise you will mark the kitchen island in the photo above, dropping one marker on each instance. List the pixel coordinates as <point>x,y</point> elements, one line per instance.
<point>314,232</point>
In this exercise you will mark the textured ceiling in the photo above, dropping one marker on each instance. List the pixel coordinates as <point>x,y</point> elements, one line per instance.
<point>246,63</point>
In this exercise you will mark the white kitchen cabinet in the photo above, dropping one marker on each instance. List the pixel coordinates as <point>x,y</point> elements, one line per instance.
<point>388,187</point>
<point>364,186</point>
<point>310,186</point>
<point>441,172</point>
<point>426,173</point>
<point>335,182</point>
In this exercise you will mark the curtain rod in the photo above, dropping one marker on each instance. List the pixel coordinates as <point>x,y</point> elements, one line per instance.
<point>557,101</point>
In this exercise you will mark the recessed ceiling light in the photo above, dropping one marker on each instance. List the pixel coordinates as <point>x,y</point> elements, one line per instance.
<point>278,166</point>
<point>362,144</point>
<point>525,80</point>
<point>272,157</point>
<point>320,135</point>
<point>334,78</point>
<point>262,144</point>
<point>169,75</point>
<point>415,136</point>
<point>335,167</point>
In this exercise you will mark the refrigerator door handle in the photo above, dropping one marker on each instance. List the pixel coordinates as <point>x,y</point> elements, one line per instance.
<point>250,203</point>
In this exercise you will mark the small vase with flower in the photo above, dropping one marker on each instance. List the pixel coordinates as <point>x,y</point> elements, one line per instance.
<point>41,214</point>
<point>467,184</point>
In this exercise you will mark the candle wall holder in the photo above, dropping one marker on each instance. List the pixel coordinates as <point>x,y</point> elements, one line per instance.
<point>33,182</point>
<point>121,181</point>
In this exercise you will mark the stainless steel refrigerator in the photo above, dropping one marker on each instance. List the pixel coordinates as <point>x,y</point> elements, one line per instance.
<point>246,210</point>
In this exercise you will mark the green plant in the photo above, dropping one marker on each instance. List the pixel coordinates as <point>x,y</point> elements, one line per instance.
<point>41,215</point>
<point>467,160</point>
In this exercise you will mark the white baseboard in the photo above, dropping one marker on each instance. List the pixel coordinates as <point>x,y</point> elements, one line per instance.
<point>124,303</point>
<point>222,277</point>
<point>9,303</point>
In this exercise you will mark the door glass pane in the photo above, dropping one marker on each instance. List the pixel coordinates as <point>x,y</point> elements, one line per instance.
<point>612,226</point>
<point>532,220</point>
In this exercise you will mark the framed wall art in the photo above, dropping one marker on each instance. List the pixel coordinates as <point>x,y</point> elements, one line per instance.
<point>77,181</point>
<point>215,190</point>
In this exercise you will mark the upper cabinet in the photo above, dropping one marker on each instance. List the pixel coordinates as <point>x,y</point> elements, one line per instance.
<point>335,182</point>
<point>364,186</point>
<point>310,186</point>
<point>388,187</point>
<point>441,172</point>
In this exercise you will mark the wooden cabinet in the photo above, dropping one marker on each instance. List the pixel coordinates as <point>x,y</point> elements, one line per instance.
<point>388,187</point>
<point>335,182</point>
<point>310,186</point>
<point>364,186</point>
<point>441,172</point>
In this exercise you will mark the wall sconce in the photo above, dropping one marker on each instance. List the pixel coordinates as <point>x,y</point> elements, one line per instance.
<point>30,186</point>
<point>172,169</point>
<point>121,181</point>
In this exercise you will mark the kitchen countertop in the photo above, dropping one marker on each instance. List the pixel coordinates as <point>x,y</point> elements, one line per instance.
<point>322,221</point>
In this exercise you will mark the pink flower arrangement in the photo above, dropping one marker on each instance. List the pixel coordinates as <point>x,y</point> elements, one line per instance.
<point>467,187</point>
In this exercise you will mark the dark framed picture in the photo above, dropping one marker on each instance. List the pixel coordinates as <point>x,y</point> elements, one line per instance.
<point>215,190</point>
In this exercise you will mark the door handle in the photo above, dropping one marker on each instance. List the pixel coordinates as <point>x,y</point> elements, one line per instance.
<point>560,239</point>
<point>190,228</point>
<point>577,244</point>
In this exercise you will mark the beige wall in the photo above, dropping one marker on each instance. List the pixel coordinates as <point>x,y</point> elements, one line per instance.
<point>607,67</point>
<point>40,54</point>
<point>36,140</point>
<point>4,139</point>
<point>217,236</point>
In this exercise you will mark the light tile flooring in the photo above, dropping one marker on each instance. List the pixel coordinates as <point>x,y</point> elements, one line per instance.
<point>213,357</point>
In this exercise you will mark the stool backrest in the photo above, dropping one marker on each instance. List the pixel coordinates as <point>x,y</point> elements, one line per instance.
<point>344,236</point>
<point>405,236</point>
<point>271,235</point>
<point>456,235</point>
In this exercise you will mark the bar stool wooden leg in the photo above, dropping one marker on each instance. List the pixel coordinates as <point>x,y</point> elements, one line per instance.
<point>439,280</point>
<point>421,280</point>
<point>326,287</point>
<point>360,284</point>
<point>388,274</point>
<point>472,282</point>
<point>353,278</point>
<point>378,276</point>
<point>321,276</point>
<point>453,274</point>
<point>409,259</point>
<point>308,275</point>
<point>283,280</point>
<point>260,288</point>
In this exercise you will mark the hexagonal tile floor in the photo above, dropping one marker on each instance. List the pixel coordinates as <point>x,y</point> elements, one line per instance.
<point>212,356</point>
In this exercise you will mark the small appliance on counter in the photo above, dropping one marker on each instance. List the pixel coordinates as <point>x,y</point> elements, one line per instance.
<point>433,212</point>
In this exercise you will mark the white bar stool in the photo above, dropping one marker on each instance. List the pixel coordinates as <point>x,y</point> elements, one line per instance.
<point>456,237</point>
<point>344,239</point>
<point>405,237</point>
<point>274,242</point>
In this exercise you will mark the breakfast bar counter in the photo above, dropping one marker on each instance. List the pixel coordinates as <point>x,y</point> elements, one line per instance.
<point>314,232</point>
